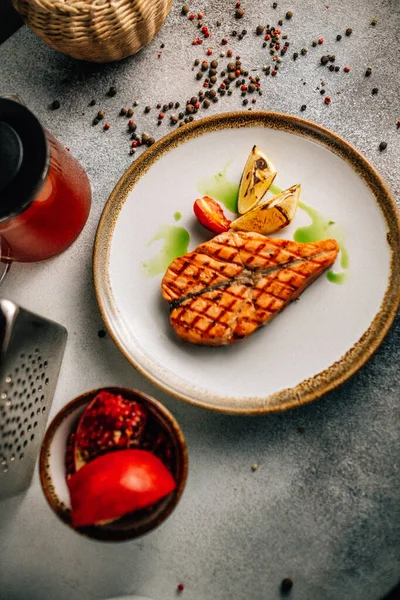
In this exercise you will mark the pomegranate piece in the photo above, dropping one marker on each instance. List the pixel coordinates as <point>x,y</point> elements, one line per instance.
<point>115,484</point>
<point>109,422</point>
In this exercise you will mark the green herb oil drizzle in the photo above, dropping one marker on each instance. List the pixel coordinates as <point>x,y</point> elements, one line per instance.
<point>322,228</point>
<point>175,243</point>
<point>220,188</point>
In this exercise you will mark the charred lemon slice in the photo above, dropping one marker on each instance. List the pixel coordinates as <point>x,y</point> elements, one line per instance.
<point>258,174</point>
<point>272,214</point>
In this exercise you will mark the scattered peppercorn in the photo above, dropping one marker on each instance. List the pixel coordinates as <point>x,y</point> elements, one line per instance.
<point>303,107</point>
<point>185,9</point>
<point>322,92</point>
<point>181,115</point>
<point>374,21</point>
<point>368,71</point>
<point>199,75</point>
<point>245,102</point>
<point>331,68</point>
<point>349,31</point>
<point>147,109</point>
<point>191,16</point>
<point>123,111</point>
<point>295,55</point>
<point>106,127</point>
<point>189,109</point>
<point>382,146</point>
<point>101,333</point>
<point>314,43</point>
<point>92,102</point>
<point>174,119</point>
<point>219,23</point>
<point>375,91</point>
<point>204,65</point>
<point>112,92</point>
<point>332,58</point>
<point>303,51</point>
<point>206,103</point>
<point>239,13</point>
<point>130,112</point>
<point>180,587</point>
<point>275,4</point>
<point>286,584</point>
<point>324,60</point>
<point>346,69</point>
<point>327,100</point>
<point>338,37</point>
<point>254,467</point>
<point>398,124</point>
<point>55,105</point>
<point>321,41</point>
<point>260,29</point>
<point>100,114</point>
<point>289,14</point>
<point>150,141</point>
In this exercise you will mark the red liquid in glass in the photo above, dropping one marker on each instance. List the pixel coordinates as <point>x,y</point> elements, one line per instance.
<point>58,213</point>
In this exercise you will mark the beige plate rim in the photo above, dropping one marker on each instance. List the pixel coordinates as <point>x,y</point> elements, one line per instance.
<point>360,352</point>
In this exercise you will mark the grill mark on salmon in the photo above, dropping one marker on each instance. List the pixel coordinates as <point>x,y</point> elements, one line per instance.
<point>228,287</point>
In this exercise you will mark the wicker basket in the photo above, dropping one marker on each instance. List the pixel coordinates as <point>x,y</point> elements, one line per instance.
<point>97,30</point>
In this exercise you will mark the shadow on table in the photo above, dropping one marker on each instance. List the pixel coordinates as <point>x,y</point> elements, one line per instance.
<point>9,508</point>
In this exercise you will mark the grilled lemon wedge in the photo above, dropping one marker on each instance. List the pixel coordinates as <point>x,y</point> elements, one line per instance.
<point>270,215</point>
<point>258,174</point>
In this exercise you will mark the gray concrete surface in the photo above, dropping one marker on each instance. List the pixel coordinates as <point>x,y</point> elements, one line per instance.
<point>323,507</point>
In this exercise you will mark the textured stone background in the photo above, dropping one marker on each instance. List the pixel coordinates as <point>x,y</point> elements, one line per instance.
<point>323,507</point>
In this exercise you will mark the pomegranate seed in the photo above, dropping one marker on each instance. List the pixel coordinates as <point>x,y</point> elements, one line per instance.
<point>327,100</point>
<point>346,69</point>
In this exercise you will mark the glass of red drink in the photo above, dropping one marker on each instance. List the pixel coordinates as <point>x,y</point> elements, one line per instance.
<point>45,194</point>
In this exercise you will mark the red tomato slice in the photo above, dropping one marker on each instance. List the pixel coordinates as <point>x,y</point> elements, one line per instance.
<point>117,483</point>
<point>211,215</point>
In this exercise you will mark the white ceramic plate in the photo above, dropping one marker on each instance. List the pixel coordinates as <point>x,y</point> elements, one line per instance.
<point>312,346</point>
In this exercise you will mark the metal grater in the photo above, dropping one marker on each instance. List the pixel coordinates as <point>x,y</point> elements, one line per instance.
<point>31,351</point>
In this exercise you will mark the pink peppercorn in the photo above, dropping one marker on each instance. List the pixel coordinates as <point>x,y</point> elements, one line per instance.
<point>191,16</point>
<point>327,100</point>
<point>346,69</point>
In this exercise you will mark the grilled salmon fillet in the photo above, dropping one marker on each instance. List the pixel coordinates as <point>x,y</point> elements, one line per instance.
<point>228,287</point>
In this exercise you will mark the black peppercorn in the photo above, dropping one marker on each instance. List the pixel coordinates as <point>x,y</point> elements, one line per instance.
<point>382,146</point>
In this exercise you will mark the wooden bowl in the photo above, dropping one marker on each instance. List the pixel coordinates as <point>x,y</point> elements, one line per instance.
<point>52,467</point>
